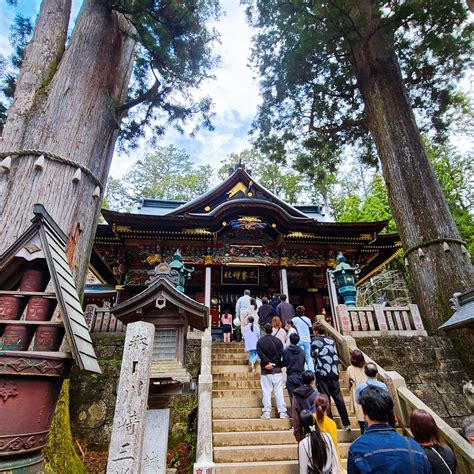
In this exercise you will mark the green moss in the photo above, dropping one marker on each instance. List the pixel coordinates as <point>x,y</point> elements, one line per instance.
<point>60,455</point>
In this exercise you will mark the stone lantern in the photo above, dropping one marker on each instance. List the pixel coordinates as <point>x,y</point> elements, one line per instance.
<point>345,277</point>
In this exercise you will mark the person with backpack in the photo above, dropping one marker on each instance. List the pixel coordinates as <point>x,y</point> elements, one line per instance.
<point>324,351</point>
<point>316,451</point>
<point>302,325</point>
<point>293,360</point>
<point>303,399</point>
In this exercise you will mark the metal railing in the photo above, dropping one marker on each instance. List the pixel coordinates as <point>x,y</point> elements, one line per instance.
<point>405,401</point>
<point>378,320</point>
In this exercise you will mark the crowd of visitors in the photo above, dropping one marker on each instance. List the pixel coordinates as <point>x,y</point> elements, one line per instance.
<point>286,341</point>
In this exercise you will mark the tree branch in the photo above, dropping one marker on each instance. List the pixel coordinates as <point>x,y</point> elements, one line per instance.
<point>141,98</point>
<point>349,123</point>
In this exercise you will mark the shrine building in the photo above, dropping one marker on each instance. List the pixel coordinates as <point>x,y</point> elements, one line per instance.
<point>237,236</point>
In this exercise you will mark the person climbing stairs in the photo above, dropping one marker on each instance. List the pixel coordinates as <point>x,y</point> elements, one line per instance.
<point>244,443</point>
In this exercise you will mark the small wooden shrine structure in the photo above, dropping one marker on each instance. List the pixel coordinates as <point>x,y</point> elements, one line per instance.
<point>39,305</point>
<point>171,312</point>
<point>153,368</point>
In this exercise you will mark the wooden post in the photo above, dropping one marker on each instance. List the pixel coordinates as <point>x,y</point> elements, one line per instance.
<point>126,444</point>
<point>284,283</point>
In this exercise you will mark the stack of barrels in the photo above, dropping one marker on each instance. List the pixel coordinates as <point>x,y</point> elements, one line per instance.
<point>18,336</point>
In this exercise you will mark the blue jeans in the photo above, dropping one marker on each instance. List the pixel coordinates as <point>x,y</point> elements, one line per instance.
<point>306,346</point>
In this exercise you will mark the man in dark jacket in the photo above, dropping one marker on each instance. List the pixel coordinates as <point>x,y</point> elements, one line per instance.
<point>270,351</point>
<point>381,448</point>
<point>265,314</point>
<point>324,351</point>
<point>303,399</point>
<point>293,359</point>
<point>285,310</point>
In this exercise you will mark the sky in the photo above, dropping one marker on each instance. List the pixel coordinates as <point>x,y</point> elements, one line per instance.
<point>234,91</point>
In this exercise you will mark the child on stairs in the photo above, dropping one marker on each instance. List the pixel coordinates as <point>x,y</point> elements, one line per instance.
<point>251,335</point>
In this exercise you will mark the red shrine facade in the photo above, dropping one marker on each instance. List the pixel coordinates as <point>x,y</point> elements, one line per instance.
<point>237,236</point>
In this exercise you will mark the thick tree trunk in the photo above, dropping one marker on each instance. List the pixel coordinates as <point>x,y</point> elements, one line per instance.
<point>68,111</point>
<point>416,199</point>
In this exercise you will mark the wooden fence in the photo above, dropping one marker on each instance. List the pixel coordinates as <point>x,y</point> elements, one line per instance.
<point>378,320</point>
<point>101,320</point>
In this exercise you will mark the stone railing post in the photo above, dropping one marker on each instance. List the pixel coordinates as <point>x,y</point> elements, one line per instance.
<point>394,381</point>
<point>204,463</point>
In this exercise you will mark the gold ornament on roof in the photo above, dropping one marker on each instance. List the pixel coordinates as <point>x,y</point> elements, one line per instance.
<point>239,187</point>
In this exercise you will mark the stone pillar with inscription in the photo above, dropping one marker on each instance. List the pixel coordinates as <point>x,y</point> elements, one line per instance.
<point>126,444</point>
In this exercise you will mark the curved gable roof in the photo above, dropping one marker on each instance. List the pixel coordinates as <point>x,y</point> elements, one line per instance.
<point>221,193</point>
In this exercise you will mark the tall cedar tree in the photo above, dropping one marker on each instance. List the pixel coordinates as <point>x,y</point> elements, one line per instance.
<point>72,101</point>
<point>351,72</point>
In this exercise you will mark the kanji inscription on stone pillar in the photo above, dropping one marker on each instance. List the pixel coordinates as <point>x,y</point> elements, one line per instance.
<point>126,444</point>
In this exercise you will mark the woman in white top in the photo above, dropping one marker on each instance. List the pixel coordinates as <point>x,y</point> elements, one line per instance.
<point>316,450</point>
<point>355,376</point>
<point>251,310</point>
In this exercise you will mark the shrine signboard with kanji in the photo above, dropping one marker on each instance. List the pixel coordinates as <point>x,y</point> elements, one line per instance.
<point>237,275</point>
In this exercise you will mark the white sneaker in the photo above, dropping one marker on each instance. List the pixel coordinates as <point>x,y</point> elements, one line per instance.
<point>265,416</point>
<point>284,416</point>
<point>347,428</point>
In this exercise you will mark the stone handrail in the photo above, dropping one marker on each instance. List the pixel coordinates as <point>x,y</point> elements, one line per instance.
<point>204,463</point>
<point>462,449</point>
<point>378,320</point>
<point>405,401</point>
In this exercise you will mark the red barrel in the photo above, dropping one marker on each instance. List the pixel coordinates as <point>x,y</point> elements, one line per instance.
<point>17,337</point>
<point>10,307</point>
<point>48,338</point>
<point>33,280</point>
<point>39,308</point>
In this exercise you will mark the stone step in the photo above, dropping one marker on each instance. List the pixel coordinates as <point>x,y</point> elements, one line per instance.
<point>271,452</point>
<point>233,369</point>
<point>265,467</point>
<point>245,401</point>
<point>237,375</point>
<point>250,424</point>
<point>246,384</point>
<point>247,438</point>
<point>255,412</point>
<point>236,383</point>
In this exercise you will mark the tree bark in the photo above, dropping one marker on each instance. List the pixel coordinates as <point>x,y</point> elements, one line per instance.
<point>416,199</point>
<point>68,110</point>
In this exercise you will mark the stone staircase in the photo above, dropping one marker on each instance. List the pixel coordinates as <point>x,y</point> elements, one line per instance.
<point>242,442</point>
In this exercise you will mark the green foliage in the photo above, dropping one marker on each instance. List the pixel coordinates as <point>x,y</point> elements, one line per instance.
<point>20,34</point>
<point>280,179</point>
<point>167,173</point>
<point>310,94</point>
<point>372,207</point>
<point>173,56</point>
<point>454,172</point>
<point>60,456</point>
